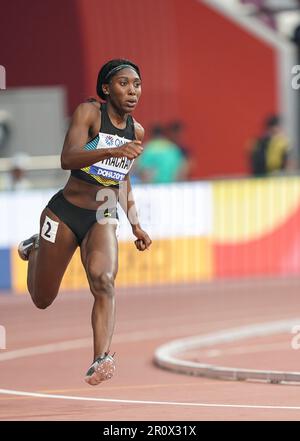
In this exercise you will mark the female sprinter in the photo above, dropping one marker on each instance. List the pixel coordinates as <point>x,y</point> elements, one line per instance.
<point>100,146</point>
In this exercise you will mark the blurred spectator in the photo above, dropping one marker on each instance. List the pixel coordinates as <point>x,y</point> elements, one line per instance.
<point>174,132</point>
<point>16,179</point>
<point>269,152</point>
<point>161,161</point>
<point>263,12</point>
<point>296,35</point>
<point>4,129</point>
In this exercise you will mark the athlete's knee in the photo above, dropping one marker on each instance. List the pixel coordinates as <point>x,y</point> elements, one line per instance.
<point>102,283</point>
<point>42,302</point>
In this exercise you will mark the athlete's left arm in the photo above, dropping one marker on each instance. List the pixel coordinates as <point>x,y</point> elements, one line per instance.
<point>127,202</point>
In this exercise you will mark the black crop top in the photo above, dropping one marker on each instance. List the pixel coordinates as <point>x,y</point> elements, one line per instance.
<point>108,172</point>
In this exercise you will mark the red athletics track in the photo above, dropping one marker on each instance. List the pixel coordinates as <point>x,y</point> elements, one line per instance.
<point>147,318</point>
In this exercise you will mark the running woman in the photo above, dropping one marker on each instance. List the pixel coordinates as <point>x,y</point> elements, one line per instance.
<point>100,146</point>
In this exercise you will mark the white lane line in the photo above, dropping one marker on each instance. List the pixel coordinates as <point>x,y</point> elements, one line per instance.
<point>133,336</point>
<point>159,403</point>
<point>87,342</point>
<point>125,337</point>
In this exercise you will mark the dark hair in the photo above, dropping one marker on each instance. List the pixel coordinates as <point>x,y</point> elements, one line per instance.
<point>156,130</point>
<point>175,126</point>
<point>272,121</point>
<point>109,69</point>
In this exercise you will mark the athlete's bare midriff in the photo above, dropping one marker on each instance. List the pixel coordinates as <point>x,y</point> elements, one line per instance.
<point>83,194</point>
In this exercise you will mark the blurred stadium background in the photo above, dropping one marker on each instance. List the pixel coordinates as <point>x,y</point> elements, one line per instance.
<point>219,67</point>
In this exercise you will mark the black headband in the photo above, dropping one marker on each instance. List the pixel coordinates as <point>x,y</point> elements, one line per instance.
<point>116,69</point>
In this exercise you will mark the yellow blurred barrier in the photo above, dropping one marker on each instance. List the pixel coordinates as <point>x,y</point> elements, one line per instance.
<point>169,261</point>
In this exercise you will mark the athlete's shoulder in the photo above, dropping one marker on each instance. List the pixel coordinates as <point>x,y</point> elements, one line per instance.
<point>89,106</point>
<point>139,130</point>
<point>88,110</point>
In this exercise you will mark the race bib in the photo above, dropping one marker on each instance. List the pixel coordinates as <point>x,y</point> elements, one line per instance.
<point>114,169</point>
<point>49,229</point>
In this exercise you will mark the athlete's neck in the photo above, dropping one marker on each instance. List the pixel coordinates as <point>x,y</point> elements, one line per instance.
<point>117,117</point>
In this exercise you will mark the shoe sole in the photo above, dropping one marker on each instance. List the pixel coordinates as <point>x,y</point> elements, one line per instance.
<point>21,249</point>
<point>21,253</point>
<point>103,372</point>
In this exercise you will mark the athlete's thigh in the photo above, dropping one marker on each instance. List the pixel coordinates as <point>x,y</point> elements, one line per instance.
<point>99,249</point>
<point>56,248</point>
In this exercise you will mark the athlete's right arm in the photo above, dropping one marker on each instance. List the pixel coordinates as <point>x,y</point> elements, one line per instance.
<point>74,156</point>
